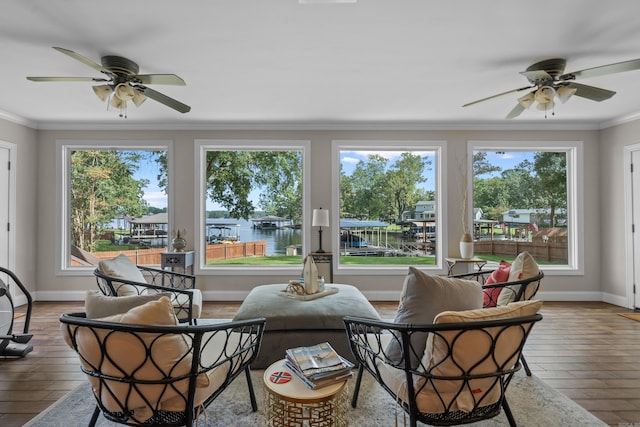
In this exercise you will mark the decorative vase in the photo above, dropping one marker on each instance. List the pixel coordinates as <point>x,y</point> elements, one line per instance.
<point>466,246</point>
<point>178,242</point>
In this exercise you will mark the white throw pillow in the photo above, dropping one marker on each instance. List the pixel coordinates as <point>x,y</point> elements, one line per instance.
<point>121,267</point>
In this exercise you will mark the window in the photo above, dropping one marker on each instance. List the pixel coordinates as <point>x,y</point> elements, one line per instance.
<point>388,204</point>
<point>113,201</point>
<point>527,196</point>
<point>252,212</point>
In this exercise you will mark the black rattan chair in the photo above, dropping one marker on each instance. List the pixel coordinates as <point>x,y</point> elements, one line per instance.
<point>465,378</point>
<point>518,290</point>
<point>161,375</point>
<point>185,298</point>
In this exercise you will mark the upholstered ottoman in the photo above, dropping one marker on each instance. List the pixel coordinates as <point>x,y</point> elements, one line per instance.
<point>294,323</point>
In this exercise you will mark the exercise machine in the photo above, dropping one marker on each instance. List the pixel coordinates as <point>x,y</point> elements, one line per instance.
<point>13,345</point>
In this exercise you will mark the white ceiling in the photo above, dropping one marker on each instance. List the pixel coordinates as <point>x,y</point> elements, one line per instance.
<point>278,62</point>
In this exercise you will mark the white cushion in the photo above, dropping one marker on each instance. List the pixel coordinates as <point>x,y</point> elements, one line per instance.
<point>97,305</point>
<point>171,357</point>
<point>121,267</point>
<point>523,267</point>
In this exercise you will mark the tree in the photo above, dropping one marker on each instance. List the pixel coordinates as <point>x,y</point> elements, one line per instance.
<point>401,179</point>
<point>103,187</point>
<point>551,169</point>
<point>368,182</point>
<point>233,175</point>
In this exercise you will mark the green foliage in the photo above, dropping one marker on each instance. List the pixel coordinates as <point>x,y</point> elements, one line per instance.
<point>541,184</point>
<point>233,175</point>
<point>377,190</point>
<point>102,188</point>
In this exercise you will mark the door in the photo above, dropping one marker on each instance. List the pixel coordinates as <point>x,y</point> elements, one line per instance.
<point>635,215</point>
<point>5,206</point>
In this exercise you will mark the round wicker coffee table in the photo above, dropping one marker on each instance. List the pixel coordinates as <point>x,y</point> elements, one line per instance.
<point>289,402</point>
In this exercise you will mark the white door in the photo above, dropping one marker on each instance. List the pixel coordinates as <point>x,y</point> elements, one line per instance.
<point>635,207</point>
<point>5,206</point>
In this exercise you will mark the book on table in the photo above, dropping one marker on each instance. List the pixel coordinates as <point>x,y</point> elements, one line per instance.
<point>318,365</point>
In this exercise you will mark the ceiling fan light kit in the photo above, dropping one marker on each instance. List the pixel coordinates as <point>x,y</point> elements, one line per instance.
<point>122,82</point>
<point>550,83</point>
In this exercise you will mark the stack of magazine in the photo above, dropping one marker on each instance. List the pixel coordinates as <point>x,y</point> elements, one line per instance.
<point>318,365</point>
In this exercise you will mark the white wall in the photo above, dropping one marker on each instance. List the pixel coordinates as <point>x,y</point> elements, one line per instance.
<point>376,286</point>
<point>613,229</point>
<point>27,174</point>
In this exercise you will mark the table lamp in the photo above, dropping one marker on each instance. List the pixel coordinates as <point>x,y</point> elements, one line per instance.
<point>320,219</point>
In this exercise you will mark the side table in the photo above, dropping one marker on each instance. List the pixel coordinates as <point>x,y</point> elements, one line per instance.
<point>324,262</point>
<point>291,403</point>
<point>451,262</point>
<point>181,260</point>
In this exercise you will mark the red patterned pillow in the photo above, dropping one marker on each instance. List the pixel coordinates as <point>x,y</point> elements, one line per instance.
<point>499,275</point>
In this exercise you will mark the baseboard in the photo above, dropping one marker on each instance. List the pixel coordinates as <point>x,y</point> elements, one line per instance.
<point>370,295</point>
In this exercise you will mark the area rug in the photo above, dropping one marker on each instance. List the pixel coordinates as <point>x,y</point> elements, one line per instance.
<point>632,316</point>
<point>532,402</point>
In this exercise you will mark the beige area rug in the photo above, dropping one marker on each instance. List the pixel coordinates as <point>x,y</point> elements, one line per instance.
<point>19,315</point>
<point>632,316</point>
<point>533,403</point>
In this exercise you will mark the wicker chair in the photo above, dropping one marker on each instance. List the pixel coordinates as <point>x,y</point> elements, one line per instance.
<point>167,375</point>
<point>186,299</point>
<point>462,376</point>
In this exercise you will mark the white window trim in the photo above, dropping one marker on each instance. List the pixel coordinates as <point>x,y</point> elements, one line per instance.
<point>201,147</point>
<point>439,147</point>
<point>575,191</point>
<point>63,189</point>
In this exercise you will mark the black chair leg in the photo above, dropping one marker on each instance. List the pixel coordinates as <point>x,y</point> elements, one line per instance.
<point>94,417</point>
<point>356,390</point>
<point>508,413</point>
<point>524,364</point>
<point>252,394</point>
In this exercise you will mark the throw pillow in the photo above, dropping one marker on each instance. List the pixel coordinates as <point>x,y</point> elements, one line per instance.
<point>97,305</point>
<point>121,267</point>
<point>470,355</point>
<point>499,275</point>
<point>423,297</point>
<point>523,267</point>
<point>144,356</point>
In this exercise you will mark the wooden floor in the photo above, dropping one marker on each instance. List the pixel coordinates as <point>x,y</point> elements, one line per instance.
<point>584,350</point>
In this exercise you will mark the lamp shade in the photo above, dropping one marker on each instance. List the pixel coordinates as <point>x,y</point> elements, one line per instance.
<point>138,98</point>
<point>526,100</point>
<point>124,92</point>
<point>102,92</point>
<point>564,93</point>
<point>320,218</point>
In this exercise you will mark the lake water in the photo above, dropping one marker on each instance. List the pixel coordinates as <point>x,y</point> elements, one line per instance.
<point>277,240</point>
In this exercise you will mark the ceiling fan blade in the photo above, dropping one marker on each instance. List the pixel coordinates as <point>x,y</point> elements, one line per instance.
<point>517,110</point>
<point>498,95</point>
<point>591,92</point>
<point>602,70</point>
<point>163,99</point>
<point>84,60</point>
<point>66,79</point>
<point>160,79</point>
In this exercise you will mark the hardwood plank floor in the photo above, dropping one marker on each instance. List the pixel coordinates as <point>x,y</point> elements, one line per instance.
<point>584,350</point>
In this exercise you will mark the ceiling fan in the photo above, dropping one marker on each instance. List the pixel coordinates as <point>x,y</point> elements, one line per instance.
<point>122,82</point>
<point>550,83</point>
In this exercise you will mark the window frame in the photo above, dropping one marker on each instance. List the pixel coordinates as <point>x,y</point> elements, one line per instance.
<point>575,191</point>
<point>64,149</point>
<point>201,146</point>
<point>440,169</point>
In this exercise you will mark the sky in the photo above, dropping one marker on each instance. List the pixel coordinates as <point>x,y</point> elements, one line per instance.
<point>157,198</point>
